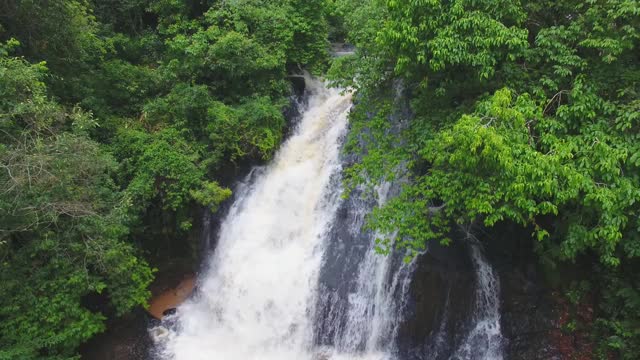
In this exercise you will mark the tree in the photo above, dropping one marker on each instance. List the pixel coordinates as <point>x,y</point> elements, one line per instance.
<point>63,224</point>
<point>523,113</point>
<point>118,119</point>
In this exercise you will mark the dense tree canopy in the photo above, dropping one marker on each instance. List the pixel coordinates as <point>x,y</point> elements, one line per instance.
<point>116,119</point>
<point>523,112</point>
<point>63,223</point>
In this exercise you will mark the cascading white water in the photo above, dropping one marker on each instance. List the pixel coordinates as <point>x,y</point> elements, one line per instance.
<point>484,341</point>
<point>374,305</point>
<point>256,299</point>
<point>284,283</point>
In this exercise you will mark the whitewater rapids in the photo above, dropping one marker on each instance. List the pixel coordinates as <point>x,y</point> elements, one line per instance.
<point>256,299</point>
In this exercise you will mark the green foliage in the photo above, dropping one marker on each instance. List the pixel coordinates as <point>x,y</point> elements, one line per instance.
<point>118,119</point>
<point>373,138</point>
<point>120,88</point>
<point>23,81</point>
<point>7,47</point>
<point>211,195</point>
<point>522,112</point>
<point>310,30</point>
<point>214,99</point>
<point>124,16</point>
<point>160,166</point>
<point>61,32</point>
<point>621,302</point>
<point>63,224</point>
<point>475,34</point>
<point>362,22</point>
<point>61,237</point>
<point>253,128</point>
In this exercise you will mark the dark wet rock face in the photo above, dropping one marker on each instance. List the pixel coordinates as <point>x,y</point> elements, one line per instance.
<point>528,320</point>
<point>529,312</point>
<point>441,303</point>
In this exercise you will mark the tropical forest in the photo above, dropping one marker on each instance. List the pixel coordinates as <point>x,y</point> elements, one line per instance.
<point>319,179</point>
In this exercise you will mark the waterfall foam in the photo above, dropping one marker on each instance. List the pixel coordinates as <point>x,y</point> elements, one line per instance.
<point>295,274</point>
<point>484,341</point>
<point>255,299</point>
<point>366,316</point>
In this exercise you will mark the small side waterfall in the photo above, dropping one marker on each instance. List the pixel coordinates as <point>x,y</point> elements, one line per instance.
<point>295,275</point>
<point>359,317</point>
<point>484,340</point>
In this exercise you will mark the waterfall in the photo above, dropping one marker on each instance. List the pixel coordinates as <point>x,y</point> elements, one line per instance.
<point>359,317</point>
<point>295,275</point>
<point>256,299</point>
<point>484,341</point>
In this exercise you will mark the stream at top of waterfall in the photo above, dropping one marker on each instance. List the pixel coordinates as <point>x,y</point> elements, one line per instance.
<point>295,276</point>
